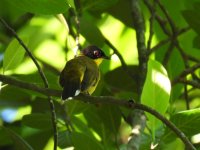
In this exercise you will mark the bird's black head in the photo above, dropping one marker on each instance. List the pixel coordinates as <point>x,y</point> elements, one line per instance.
<point>94,52</point>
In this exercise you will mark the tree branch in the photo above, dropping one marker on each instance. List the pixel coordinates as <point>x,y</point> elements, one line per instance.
<point>102,100</point>
<point>43,77</point>
<point>139,25</point>
<point>29,86</point>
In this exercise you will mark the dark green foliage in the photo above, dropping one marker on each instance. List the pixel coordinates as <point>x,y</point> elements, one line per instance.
<point>99,127</point>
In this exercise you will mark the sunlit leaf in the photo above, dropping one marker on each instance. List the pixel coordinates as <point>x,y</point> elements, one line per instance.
<point>38,121</point>
<point>156,92</point>
<point>18,140</point>
<point>13,56</point>
<point>46,7</point>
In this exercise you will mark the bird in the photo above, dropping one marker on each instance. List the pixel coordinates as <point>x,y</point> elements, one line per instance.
<point>81,74</point>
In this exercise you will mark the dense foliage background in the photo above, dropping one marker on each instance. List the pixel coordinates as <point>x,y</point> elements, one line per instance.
<point>163,34</point>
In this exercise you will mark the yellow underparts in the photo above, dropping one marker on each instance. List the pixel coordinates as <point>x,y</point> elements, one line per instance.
<point>98,61</point>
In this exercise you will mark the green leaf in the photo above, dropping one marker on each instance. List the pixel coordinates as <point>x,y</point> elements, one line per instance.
<point>156,92</point>
<point>71,4</point>
<point>196,42</point>
<point>176,144</point>
<point>38,139</point>
<point>98,4</point>
<point>64,139</point>
<point>13,56</point>
<point>79,125</point>
<point>36,78</point>
<point>14,97</point>
<point>124,15</point>
<point>75,107</point>
<point>192,17</point>
<point>83,141</point>
<point>38,121</point>
<point>105,120</point>
<point>175,66</point>
<point>4,137</point>
<point>111,117</point>
<point>187,121</point>
<point>18,140</point>
<point>46,7</point>
<point>90,31</point>
<point>126,83</point>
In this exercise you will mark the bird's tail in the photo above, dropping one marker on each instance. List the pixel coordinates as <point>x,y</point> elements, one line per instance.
<point>70,90</point>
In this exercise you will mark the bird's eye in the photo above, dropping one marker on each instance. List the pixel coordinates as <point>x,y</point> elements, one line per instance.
<point>96,53</point>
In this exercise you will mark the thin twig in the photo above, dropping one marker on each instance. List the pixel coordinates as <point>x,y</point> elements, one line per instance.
<point>160,44</point>
<point>193,83</point>
<point>52,107</point>
<point>103,100</point>
<point>183,55</point>
<point>168,53</point>
<point>151,20</point>
<point>191,58</point>
<point>172,24</point>
<point>123,63</point>
<point>161,22</point>
<point>186,72</point>
<point>78,13</point>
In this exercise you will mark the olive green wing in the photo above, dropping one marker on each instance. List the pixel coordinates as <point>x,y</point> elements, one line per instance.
<point>91,78</point>
<point>71,77</point>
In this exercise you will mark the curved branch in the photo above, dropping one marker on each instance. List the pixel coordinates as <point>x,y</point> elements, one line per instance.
<point>43,77</point>
<point>101,100</point>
